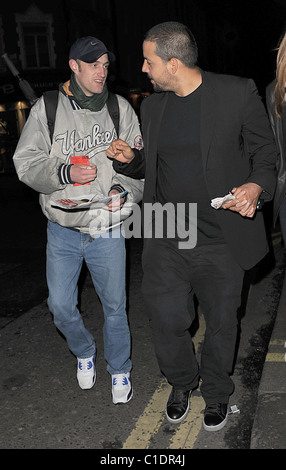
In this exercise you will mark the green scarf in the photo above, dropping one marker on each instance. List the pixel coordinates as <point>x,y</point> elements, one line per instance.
<point>94,102</point>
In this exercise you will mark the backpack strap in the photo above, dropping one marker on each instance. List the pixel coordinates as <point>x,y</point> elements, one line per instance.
<point>51,104</point>
<point>113,109</point>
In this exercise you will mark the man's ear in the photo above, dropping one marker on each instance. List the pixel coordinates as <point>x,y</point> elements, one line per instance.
<point>173,65</point>
<point>73,65</point>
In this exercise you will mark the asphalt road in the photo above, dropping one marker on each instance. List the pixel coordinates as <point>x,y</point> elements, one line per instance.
<point>43,407</point>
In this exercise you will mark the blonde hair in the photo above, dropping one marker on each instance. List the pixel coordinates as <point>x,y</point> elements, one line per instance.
<point>279,92</point>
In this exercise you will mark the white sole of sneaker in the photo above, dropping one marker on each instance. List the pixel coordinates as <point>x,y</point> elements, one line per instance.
<point>215,428</point>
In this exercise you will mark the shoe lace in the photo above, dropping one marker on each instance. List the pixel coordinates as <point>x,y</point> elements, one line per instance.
<point>120,379</point>
<point>177,396</point>
<point>85,364</point>
<point>215,409</point>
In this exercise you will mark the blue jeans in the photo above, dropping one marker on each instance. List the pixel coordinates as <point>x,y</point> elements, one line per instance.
<point>105,258</point>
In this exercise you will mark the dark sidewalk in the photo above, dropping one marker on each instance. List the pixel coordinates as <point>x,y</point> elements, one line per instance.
<point>269,427</point>
<point>40,397</point>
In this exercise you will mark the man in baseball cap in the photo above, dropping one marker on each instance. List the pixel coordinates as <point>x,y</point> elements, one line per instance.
<point>89,49</point>
<point>89,60</point>
<point>83,130</point>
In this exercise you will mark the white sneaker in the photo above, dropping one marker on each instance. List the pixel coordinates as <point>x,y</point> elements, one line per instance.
<point>86,372</point>
<point>121,388</point>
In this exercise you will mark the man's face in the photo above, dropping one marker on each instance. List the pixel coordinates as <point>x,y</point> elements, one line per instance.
<point>156,68</point>
<point>91,77</point>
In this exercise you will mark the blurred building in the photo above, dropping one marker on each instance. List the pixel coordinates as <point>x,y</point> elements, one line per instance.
<point>234,36</point>
<point>35,37</point>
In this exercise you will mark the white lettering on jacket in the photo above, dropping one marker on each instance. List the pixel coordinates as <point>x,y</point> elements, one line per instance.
<point>70,144</point>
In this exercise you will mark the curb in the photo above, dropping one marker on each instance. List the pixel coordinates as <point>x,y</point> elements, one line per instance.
<point>269,427</point>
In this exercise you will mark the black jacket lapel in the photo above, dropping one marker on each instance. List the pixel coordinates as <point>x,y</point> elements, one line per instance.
<point>208,118</point>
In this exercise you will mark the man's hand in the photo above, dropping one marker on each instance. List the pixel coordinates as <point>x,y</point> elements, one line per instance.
<point>246,198</point>
<point>82,173</point>
<point>115,205</point>
<point>121,151</point>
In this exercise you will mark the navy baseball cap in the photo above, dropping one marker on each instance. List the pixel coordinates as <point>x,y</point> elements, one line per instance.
<point>89,49</point>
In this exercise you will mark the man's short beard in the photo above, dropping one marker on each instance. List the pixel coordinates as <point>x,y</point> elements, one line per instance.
<point>157,88</point>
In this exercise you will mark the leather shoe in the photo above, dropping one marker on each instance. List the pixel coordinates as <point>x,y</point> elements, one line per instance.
<point>178,405</point>
<point>215,416</point>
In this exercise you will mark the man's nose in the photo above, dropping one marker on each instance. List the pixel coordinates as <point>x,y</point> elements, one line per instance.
<point>144,67</point>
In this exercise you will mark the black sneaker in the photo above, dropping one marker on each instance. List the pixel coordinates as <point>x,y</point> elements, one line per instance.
<point>215,416</point>
<point>178,405</point>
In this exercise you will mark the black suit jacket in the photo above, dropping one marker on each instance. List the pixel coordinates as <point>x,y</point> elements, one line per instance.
<point>237,146</point>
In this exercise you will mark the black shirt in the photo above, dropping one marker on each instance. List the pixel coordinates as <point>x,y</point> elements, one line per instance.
<point>180,171</point>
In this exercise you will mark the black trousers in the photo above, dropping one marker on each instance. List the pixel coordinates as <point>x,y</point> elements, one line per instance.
<point>172,277</point>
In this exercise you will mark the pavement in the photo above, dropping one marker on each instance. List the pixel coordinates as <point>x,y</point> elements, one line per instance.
<point>41,402</point>
<point>40,398</point>
<point>269,427</point>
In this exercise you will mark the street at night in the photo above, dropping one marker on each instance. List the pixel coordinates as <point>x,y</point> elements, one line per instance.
<point>42,405</point>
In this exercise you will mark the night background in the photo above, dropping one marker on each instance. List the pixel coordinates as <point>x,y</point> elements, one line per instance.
<point>234,37</point>
<point>41,404</point>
